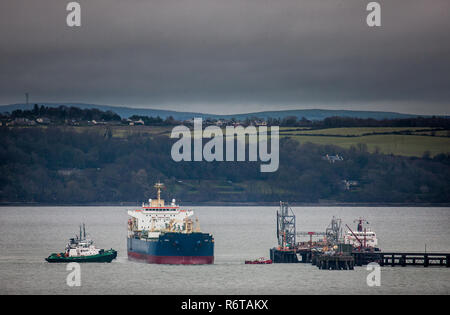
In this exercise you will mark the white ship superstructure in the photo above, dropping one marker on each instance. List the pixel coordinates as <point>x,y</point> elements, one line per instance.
<point>156,217</point>
<point>81,246</point>
<point>363,237</point>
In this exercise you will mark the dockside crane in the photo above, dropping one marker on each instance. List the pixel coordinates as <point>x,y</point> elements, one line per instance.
<point>286,227</point>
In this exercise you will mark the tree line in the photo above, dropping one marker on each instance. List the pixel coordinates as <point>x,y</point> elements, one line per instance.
<point>63,113</point>
<point>339,122</point>
<point>55,165</point>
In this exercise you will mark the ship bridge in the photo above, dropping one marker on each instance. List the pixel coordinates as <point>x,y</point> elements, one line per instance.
<point>156,216</point>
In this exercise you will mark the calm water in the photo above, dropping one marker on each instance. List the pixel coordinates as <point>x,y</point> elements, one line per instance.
<point>29,234</point>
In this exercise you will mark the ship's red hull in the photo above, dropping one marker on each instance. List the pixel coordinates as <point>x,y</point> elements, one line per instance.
<point>171,260</point>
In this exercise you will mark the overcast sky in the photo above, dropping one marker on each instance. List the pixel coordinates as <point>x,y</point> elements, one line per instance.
<point>229,56</point>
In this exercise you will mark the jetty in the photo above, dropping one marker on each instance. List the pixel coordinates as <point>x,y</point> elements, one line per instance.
<point>334,254</point>
<point>391,259</point>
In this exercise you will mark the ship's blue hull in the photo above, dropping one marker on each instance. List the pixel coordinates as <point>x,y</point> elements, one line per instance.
<point>173,248</point>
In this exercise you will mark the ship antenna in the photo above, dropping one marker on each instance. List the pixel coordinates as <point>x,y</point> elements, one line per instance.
<point>84,231</point>
<point>80,231</point>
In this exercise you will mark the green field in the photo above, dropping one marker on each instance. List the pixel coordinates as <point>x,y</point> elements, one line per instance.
<point>413,141</point>
<point>439,133</point>
<point>357,131</point>
<point>418,141</point>
<point>406,145</point>
<point>121,131</point>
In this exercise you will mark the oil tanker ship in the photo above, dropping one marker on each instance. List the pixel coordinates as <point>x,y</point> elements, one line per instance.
<point>166,234</point>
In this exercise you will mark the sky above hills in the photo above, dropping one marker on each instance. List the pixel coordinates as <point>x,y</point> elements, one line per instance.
<point>230,56</point>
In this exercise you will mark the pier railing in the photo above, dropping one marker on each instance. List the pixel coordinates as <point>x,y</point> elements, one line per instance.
<point>415,259</point>
<point>403,259</point>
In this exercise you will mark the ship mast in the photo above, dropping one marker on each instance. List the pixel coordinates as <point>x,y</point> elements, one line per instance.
<point>361,223</point>
<point>158,186</point>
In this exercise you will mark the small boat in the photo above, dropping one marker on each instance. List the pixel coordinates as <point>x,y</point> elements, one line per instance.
<point>81,249</point>
<point>259,261</point>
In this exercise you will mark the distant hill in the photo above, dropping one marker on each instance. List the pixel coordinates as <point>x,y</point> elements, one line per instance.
<point>311,114</point>
<point>320,114</point>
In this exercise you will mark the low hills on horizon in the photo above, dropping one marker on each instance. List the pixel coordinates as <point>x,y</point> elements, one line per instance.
<point>310,114</point>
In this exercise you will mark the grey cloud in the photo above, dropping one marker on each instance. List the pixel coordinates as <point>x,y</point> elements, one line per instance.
<point>229,56</point>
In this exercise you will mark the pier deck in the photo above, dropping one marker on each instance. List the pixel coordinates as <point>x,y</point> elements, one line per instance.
<point>392,259</point>
<point>335,262</point>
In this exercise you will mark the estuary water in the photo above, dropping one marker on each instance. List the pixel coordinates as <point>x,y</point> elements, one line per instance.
<point>29,234</point>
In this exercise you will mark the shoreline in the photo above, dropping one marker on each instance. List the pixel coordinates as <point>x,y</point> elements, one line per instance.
<point>229,204</point>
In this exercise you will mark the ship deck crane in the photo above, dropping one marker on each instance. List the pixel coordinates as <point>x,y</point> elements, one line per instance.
<point>357,238</point>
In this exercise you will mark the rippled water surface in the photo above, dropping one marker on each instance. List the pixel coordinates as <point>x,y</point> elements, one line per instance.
<point>29,234</point>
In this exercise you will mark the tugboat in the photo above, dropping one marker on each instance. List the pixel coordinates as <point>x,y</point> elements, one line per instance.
<point>160,233</point>
<point>363,239</point>
<point>259,261</point>
<point>81,249</point>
